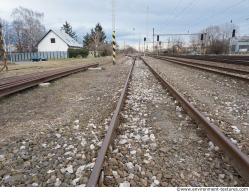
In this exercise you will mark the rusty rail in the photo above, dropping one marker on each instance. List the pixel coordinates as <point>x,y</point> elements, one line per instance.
<point>234,73</point>
<point>30,80</point>
<point>239,160</point>
<point>95,175</point>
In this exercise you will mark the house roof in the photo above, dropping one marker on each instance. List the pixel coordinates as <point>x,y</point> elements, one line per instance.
<point>64,37</point>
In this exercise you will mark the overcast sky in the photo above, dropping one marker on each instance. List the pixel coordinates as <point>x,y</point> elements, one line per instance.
<point>136,17</point>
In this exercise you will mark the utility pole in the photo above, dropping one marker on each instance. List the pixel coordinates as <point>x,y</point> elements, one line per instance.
<point>147,25</point>
<point>113,34</point>
<point>144,44</point>
<point>153,39</point>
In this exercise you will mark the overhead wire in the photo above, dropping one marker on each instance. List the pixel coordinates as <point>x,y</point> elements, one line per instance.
<point>220,12</point>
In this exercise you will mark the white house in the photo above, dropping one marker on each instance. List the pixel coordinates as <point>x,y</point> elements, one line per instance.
<point>56,40</point>
<point>240,44</point>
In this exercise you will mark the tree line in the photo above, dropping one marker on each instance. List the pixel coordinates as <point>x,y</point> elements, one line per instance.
<point>216,39</point>
<point>26,29</point>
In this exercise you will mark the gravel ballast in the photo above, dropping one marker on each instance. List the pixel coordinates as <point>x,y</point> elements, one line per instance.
<point>223,100</point>
<point>157,144</point>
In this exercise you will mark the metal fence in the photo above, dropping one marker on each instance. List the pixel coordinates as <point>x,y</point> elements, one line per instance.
<point>17,57</point>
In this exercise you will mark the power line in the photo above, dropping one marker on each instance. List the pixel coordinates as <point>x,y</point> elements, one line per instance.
<point>189,5</point>
<point>176,7</point>
<point>220,12</point>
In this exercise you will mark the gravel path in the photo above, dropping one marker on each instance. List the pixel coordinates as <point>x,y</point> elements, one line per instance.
<point>223,100</point>
<point>50,136</point>
<point>157,144</point>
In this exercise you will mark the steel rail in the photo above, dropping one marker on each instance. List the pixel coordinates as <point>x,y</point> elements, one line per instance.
<point>31,81</point>
<point>228,69</point>
<point>13,79</point>
<point>233,75</point>
<point>97,169</point>
<point>239,160</point>
<point>34,76</point>
<point>238,60</point>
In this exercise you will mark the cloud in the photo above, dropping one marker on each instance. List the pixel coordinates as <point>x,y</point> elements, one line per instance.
<point>166,16</point>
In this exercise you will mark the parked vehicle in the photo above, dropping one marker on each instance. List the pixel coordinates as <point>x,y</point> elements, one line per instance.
<point>37,59</point>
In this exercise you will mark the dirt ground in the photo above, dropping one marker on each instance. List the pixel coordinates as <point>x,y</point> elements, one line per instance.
<point>50,136</point>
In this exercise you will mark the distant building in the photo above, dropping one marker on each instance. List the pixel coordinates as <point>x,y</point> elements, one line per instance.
<point>240,44</point>
<point>56,40</point>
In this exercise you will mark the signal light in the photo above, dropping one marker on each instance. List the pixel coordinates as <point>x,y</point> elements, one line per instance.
<point>145,39</point>
<point>234,32</point>
<point>202,37</point>
<point>157,37</point>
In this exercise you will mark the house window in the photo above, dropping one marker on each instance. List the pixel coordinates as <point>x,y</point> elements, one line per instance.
<point>52,40</point>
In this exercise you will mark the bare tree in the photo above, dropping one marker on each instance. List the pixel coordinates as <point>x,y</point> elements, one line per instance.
<point>216,39</point>
<point>28,28</point>
<point>3,54</point>
<point>96,39</point>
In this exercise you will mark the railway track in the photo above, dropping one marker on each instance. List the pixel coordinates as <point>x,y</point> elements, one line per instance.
<point>239,60</point>
<point>231,72</point>
<point>136,125</point>
<point>14,84</point>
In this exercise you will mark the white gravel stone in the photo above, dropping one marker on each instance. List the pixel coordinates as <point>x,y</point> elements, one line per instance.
<point>57,182</point>
<point>133,152</point>
<point>22,147</point>
<point>92,147</point>
<point>58,135</point>
<point>35,185</point>
<point>211,145</point>
<point>131,176</point>
<point>75,181</point>
<point>90,165</point>
<point>234,141</point>
<point>76,127</point>
<point>125,184</point>
<point>123,141</point>
<point>236,130</point>
<point>145,138</point>
<point>80,171</point>
<point>83,142</point>
<point>83,156</point>
<point>69,169</point>
<point>44,84</point>
<point>44,145</point>
<point>130,167</point>
<point>115,151</point>
<point>115,174</point>
<point>221,176</point>
<point>57,146</point>
<point>138,168</point>
<point>152,137</point>
<point>77,121</point>
<point>2,157</point>
<point>156,182</point>
<point>50,171</point>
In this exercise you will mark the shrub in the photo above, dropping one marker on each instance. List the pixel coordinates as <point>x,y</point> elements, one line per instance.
<point>72,53</point>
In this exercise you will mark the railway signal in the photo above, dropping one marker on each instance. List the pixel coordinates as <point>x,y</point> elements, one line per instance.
<point>234,33</point>
<point>202,37</point>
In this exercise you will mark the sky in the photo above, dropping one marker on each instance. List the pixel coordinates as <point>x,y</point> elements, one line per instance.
<point>136,18</point>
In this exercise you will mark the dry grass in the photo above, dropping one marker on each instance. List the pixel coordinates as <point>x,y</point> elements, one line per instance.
<point>30,67</point>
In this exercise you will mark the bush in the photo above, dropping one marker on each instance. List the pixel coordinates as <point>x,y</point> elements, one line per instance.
<point>74,53</point>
